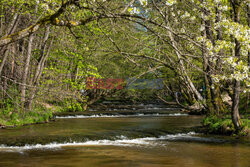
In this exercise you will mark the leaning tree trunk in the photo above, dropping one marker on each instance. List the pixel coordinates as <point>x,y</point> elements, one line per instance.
<point>184,74</point>
<point>4,49</point>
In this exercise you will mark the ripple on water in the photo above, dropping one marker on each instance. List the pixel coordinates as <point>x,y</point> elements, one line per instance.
<point>118,141</point>
<point>120,116</point>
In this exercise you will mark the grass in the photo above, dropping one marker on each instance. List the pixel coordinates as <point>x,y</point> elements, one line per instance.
<point>12,117</point>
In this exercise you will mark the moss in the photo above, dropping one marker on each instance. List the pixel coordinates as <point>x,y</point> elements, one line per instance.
<point>218,125</point>
<point>244,103</point>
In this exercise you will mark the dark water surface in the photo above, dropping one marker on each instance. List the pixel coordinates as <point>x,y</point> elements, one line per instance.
<point>154,140</point>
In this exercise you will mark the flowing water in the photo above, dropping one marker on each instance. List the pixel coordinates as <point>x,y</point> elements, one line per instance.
<point>120,140</point>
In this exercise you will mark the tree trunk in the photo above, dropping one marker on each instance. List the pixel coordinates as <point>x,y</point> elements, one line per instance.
<point>5,55</point>
<point>214,100</point>
<point>26,69</point>
<point>184,74</point>
<point>236,87</point>
<point>40,67</point>
<point>235,108</point>
<point>218,102</point>
<point>12,28</point>
<point>248,22</point>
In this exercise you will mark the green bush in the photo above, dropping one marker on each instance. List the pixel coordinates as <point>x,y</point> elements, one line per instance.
<point>10,116</point>
<point>217,125</point>
<point>73,106</point>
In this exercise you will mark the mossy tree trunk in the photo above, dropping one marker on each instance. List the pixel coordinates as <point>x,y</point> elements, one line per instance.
<point>236,4</point>
<point>214,100</point>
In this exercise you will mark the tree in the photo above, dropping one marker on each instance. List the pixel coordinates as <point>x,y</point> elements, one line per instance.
<point>199,44</point>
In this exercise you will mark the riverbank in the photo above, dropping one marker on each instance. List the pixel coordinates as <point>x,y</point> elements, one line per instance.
<point>224,125</point>
<point>45,112</point>
<point>15,119</point>
<point>117,109</point>
<point>85,128</point>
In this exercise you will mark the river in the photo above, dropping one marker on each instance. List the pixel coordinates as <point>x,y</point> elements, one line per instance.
<point>120,140</point>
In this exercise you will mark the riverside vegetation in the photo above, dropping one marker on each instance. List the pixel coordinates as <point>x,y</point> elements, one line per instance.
<point>200,49</point>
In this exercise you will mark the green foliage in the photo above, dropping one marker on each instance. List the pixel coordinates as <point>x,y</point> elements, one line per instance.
<point>118,48</point>
<point>13,117</point>
<point>71,105</point>
<point>217,125</point>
